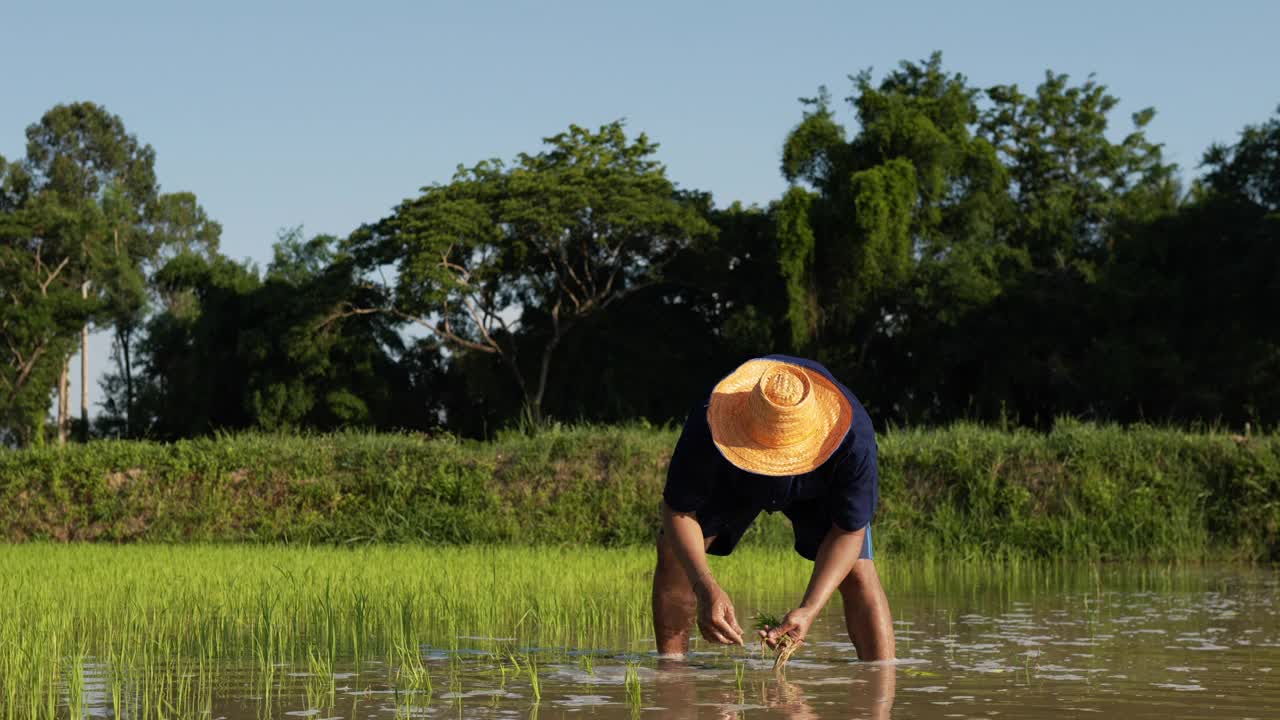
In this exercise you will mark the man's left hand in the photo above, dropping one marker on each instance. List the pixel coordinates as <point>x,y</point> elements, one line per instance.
<point>796,624</point>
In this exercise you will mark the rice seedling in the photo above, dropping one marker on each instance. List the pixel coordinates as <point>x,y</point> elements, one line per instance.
<point>786,646</point>
<point>321,687</point>
<point>455,676</point>
<point>951,637</point>
<point>411,674</point>
<point>1028,666</point>
<point>534,684</point>
<point>498,659</point>
<point>75,685</point>
<point>631,681</point>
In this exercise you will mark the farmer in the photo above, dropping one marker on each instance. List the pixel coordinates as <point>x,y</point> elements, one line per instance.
<point>779,434</point>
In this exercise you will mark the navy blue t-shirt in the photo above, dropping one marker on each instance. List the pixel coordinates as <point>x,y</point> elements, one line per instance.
<point>700,480</point>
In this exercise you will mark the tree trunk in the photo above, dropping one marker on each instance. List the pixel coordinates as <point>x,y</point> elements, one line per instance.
<point>128,387</point>
<point>85,382</point>
<point>535,404</point>
<point>558,331</point>
<point>64,403</point>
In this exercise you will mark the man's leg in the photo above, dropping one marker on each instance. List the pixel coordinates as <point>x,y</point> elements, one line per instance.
<point>875,698</point>
<point>866,613</point>
<point>674,604</point>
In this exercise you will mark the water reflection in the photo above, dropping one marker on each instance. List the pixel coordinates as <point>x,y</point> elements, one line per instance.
<point>681,692</point>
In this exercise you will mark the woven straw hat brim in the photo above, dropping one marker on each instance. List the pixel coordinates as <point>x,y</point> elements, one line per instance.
<point>729,418</point>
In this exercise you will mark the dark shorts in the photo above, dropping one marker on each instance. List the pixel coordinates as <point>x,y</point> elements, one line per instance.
<point>810,521</point>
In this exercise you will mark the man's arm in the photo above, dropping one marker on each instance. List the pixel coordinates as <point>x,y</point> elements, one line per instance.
<point>716,616</point>
<point>836,557</point>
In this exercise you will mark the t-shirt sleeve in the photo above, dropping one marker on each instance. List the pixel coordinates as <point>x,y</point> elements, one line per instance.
<point>855,489</point>
<point>691,474</point>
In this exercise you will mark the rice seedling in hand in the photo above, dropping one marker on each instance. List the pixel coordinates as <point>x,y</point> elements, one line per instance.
<point>786,646</point>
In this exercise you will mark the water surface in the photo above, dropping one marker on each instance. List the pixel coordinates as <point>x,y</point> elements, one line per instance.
<point>1118,643</point>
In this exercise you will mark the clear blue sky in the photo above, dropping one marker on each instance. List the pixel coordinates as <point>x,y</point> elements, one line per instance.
<point>328,114</point>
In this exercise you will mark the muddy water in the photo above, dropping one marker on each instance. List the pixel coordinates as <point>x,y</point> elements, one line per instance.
<point>1110,648</point>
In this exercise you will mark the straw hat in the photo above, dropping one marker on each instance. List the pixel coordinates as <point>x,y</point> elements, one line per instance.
<point>773,418</point>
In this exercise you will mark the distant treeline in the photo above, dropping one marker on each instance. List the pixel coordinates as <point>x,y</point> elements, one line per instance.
<point>951,252</point>
<point>1080,491</point>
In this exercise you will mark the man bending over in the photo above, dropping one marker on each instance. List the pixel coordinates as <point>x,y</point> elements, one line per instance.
<point>779,434</point>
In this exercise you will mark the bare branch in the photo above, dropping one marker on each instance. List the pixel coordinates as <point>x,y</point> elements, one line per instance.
<point>31,363</point>
<point>565,265</point>
<point>573,297</point>
<point>479,323</point>
<point>443,333</point>
<point>447,335</point>
<point>24,366</point>
<point>44,286</point>
<point>341,314</point>
<point>626,292</point>
<point>17,356</point>
<point>608,286</point>
<point>586,260</point>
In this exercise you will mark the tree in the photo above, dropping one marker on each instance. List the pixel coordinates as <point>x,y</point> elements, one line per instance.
<point>307,366</point>
<point>39,310</point>
<point>504,261</point>
<point>89,172</point>
<point>236,350</point>
<point>174,224</point>
<point>886,234</point>
<point>1078,198</point>
<point>1071,185</point>
<point>1250,169</point>
<point>1189,331</point>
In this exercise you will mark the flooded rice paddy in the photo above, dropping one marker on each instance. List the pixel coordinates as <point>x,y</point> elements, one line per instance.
<point>975,640</point>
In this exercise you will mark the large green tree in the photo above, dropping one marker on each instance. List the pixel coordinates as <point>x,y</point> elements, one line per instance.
<point>1078,195</point>
<point>39,312</point>
<point>1190,331</point>
<point>238,350</point>
<point>91,186</point>
<point>888,230</point>
<point>1073,185</point>
<point>175,224</point>
<point>507,261</point>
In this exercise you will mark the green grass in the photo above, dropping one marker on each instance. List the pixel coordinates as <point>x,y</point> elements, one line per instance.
<point>1081,491</point>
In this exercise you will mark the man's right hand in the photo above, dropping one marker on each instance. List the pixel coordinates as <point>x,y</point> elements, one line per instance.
<point>716,619</point>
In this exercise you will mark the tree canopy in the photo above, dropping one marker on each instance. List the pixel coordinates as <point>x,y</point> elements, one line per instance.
<point>509,259</point>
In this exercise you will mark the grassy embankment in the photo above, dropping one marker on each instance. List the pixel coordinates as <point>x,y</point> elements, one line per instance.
<point>1082,491</point>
